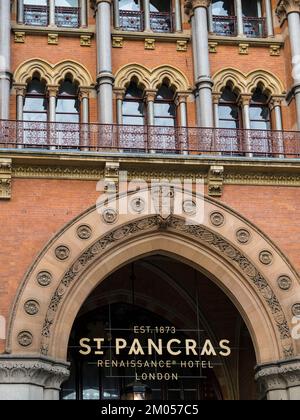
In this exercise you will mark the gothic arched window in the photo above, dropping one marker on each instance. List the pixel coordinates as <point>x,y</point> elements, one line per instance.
<point>133,110</point>
<point>67,103</point>
<point>229,111</point>
<point>35,103</point>
<point>164,107</point>
<point>260,118</point>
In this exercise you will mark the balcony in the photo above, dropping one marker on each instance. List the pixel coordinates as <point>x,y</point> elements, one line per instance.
<point>134,21</point>
<point>36,15</point>
<point>254,27</point>
<point>67,17</point>
<point>146,139</point>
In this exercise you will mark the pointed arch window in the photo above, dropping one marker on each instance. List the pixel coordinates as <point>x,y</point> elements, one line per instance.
<point>35,103</point>
<point>164,107</point>
<point>133,108</point>
<point>260,118</point>
<point>67,103</point>
<point>229,111</point>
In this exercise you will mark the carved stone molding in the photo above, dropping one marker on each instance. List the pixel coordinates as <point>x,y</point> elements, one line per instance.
<point>176,225</point>
<point>19,37</point>
<point>191,5</point>
<point>85,40</point>
<point>111,175</point>
<point>117,42</point>
<point>279,378</point>
<point>149,44</point>
<point>285,7</point>
<point>53,39</point>
<point>5,178</point>
<point>215,181</point>
<point>182,46</point>
<point>32,371</point>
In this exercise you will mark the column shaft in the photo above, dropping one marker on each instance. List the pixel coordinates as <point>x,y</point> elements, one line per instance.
<point>116,14</point>
<point>120,111</point>
<point>147,23</point>
<point>269,18</point>
<point>178,20</point>
<point>239,16</point>
<point>202,66</point>
<point>20,104</point>
<point>105,77</point>
<point>216,115</point>
<point>247,126</point>
<point>210,19</point>
<point>52,13</point>
<point>20,12</point>
<point>83,13</point>
<point>294,29</point>
<point>85,110</point>
<point>5,75</point>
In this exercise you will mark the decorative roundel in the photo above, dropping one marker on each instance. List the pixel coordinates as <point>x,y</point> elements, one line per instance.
<point>31,307</point>
<point>296,310</point>
<point>25,338</point>
<point>84,232</point>
<point>138,204</point>
<point>284,282</point>
<point>243,236</point>
<point>217,219</point>
<point>62,252</point>
<point>189,207</point>
<point>110,216</point>
<point>44,278</point>
<point>266,257</point>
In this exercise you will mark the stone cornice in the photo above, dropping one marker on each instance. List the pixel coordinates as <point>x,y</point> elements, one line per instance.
<point>163,37</point>
<point>91,167</point>
<point>284,7</point>
<point>40,30</point>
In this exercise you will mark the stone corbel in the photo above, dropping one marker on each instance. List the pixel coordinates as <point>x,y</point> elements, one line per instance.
<point>215,181</point>
<point>111,175</point>
<point>5,179</point>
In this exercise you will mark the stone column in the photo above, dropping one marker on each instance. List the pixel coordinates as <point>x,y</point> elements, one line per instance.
<point>178,19</point>
<point>83,13</point>
<point>239,17</point>
<point>116,14</point>
<point>269,18</point>
<point>245,104</point>
<point>198,10</point>
<point>146,8</point>
<point>150,96</point>
<point>105,77</point>
<point>31,378</point>
<point>5,70</point>
<point>279,380</point>
<point>20,12</point>
<point>119,94</point>
<point>52,13</point>
<point>216,100</point>
<point>20,93</point>
<point>181,102</point>
<point>276,106</point>
<point>52,93</point>
<point>85,118</point>
<point>290,10</point>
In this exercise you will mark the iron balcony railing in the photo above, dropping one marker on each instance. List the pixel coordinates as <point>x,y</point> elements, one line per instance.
<point>133,21</point>
<point>225,25</point>
<point>149,139</point>
<point>67,17</point>
<point>36,15</point>
<point>254,27</point>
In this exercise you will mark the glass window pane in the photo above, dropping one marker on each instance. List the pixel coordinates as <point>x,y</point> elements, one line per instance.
<point>162,109</point>
<point>36,2</point>
<point>260,125</point>
<point>67,118</point>
<point>35,104</point>
<point>229,124</point>
<point>67,106</point>
<point>230,112</point>
<point>133,108</point>
<point>133,5</point>
<point>259,113</point>
<point>90,379</point>
<point>160,6</point>
<point>133,120</point>
<point>222,8</point>
<point>66,3</point>
<point>251,8</point>
<point>165,122</point>
<point>35,117</point>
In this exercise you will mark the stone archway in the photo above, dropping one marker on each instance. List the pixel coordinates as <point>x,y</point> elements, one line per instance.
<point>238,257</point>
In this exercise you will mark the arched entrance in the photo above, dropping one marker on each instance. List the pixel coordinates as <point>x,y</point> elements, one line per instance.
<point>178,302</point>
<point>228,249</point>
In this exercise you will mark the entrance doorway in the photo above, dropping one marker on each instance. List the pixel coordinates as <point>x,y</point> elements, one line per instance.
<point>177,303</point>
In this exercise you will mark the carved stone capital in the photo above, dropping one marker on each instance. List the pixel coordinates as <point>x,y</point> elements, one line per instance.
<point>20,89</point>
<point>191,5</point>
<point>181,97</point>
<point>285,7</point>
<point>5,178</point>
<point>245,100</point>
<point>111,175</point>
<point>215,181</point>
<point>119,93</point>
<point>35,371</point>
<point>150,95</point>
<point>281,376</point>
<point>53,90</point>
<point>84,92</point>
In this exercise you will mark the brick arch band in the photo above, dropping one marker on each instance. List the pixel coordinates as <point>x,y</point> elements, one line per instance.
<point>233,253</point>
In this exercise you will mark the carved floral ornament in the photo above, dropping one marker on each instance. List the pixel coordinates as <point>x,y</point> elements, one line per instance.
<point>285,7</point>
<point>73,260</point>
<point>191,5</point>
